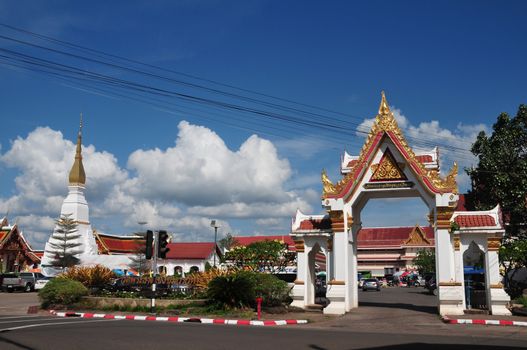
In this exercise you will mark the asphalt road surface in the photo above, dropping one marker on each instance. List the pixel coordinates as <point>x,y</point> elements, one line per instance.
<point>390,319</point>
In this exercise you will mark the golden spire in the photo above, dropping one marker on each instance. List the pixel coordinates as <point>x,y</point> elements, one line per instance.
<point>384,109</point>
<point>77,175</point>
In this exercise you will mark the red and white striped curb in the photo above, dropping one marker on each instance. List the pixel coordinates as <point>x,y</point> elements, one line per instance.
<point>180,319</point>
<point>485,322</point>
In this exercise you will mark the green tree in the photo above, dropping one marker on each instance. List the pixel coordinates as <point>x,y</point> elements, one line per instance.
<point>64,243</point>
<point>425,261</point>
<point>501,174</point>
<point>501,178</point>
<point>267,255</point>
<point>513,256</point>
<point>227,242</point>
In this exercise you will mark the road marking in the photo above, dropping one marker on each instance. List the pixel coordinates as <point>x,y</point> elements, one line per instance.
<point>11,317</point>
<point>18,321</point>
<point>50,324</point>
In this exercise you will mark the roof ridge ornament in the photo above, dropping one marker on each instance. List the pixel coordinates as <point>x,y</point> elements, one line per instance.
<point>327,186</point>
<point>384,109</point>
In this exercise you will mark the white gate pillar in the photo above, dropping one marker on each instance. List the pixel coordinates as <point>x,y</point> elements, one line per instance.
<point>336,286</point>
<point>450,290</point>
<point>298,291</point>
<point>497,298</point>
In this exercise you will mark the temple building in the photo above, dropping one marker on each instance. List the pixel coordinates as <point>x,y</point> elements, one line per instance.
<point>15,252</point>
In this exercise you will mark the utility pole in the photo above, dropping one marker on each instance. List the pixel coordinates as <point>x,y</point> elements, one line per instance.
<point>213,224</point>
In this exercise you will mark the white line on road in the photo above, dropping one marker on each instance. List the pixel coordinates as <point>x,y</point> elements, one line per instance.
<point>50,324</point>
<point>25,316</point>
<point>18,321</point>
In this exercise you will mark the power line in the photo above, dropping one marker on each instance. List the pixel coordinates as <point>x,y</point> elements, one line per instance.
<point>333,126</point>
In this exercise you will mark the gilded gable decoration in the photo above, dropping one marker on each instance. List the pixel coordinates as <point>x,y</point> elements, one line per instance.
<point>417,237</point>
<point>386,124</point>
<point>387,169</point>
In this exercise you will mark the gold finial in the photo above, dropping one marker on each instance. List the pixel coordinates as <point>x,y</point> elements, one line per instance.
<point>327,185</point>
<point>384,109</point>
<point>80,125</point>
<point>77,174</point>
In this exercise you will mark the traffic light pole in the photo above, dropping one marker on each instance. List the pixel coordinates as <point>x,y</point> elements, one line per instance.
<point>154,270</point>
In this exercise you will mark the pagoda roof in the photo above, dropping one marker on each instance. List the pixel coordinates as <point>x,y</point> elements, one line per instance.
<point>393,236</point>
<point>385,126</point>
<point>110,244</point>
<point>8,231</point>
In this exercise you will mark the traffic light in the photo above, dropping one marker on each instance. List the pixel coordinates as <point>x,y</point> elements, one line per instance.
<point>162,248</point>
<point>149,243</point>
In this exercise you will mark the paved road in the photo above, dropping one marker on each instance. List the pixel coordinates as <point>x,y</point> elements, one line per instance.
<point>379,323</point>
<point>43,333</point>
<point>17,303</point>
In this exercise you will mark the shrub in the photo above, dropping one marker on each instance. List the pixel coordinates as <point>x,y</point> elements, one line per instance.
<point>92,276</point>
<point>522,300</point>
<point>235,290</point>
<point>61,291</point>
<point>273,290</point>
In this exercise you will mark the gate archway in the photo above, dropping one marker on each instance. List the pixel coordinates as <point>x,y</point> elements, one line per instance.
<point>385,168</point>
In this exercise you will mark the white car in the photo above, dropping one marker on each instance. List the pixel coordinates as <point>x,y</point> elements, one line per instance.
<point>41,282</point>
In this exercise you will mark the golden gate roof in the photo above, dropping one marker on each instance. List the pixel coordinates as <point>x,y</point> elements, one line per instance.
<point>385,125</point>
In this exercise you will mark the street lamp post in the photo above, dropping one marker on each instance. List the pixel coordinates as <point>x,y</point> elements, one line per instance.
<point>213,224</point>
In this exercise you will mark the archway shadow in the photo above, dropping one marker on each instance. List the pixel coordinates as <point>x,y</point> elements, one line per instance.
<point>404,306</point>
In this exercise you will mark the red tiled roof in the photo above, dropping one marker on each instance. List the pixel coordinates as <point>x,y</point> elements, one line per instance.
<point>475,220</point>
<point>114,244</point>
<point>425,158</point>
<point>388,236</point>
<point>246,240</point>
<point>198,250</point>
<point>39,253</point>
<point>315,224</point>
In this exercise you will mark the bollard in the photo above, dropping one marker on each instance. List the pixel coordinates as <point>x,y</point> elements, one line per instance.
<point>259,307</point>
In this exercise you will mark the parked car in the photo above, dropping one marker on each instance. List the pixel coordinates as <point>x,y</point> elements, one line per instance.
<point>371,284</point>
<point>41,282</point>
<point>20,281</point>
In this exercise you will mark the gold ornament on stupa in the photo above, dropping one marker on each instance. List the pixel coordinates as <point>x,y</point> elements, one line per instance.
<point>77,174</point>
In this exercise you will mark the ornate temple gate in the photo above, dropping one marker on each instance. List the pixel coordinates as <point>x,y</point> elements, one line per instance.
<point>386,168</point>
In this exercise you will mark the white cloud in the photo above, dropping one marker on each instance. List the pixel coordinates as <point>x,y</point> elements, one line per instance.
<point>179,188</point>
<point>201,170</point>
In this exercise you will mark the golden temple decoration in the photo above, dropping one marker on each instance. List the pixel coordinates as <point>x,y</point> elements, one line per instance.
<point>337,220</point>
<point>444,214</point>
<point>330,244</point>
<point>387,169</point>
<point>417,237</point>
<point>327,186</point>
<point>457,244</point>
<point>337,283</point>
<point>386,122</point>
<point>493,243</point>
<point>299,246</point>
<point>77,174</point>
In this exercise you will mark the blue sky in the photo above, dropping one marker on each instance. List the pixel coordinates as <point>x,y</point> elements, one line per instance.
<point>448,69</point>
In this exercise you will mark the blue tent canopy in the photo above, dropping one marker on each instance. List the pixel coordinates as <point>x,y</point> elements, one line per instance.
<point>473,270</point>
